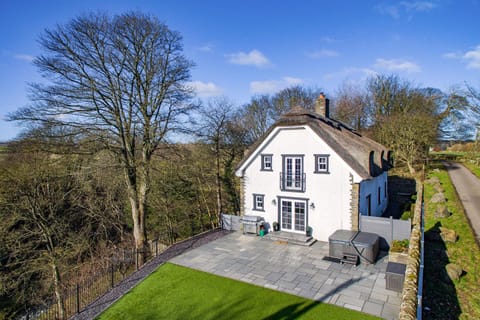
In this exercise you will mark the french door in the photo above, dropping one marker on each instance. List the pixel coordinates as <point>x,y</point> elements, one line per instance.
<point>293,214</point>
<point>293,173</point>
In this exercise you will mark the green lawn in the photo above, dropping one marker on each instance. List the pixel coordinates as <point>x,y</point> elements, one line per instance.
<point>175,292</point>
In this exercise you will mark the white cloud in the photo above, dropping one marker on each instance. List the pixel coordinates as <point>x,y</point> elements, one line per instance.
<point>452,55</point>
<point>328,39</point>
<point>206,89</point>
<point>473,58</point>
<point>253,58</point>
<point>24,57</point>
<point>324,53</point>
<point>396,65</point>
<point>390,10</point>
<point>405,7</point>
<point>418,5</point>
<point>205,48</point>
<point>350,72</point>
<point>291,81</point>
<point>269,86</point>
<point>272,86</point>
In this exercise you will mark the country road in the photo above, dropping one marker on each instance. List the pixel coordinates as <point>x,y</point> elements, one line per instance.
<point>468,189</point>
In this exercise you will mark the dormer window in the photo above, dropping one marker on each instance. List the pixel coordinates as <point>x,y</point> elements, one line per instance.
<point>267,162</point>
<point>321,163</point>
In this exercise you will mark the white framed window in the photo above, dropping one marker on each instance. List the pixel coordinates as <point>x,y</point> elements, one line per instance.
<point>293,177</point>
<point>258,202</point>
<point>322,163</point>
<point>267,162</point>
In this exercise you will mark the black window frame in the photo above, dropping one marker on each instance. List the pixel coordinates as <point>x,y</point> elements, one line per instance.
<point>255,206</point>
<point>327,157</point>
<point>369,204</point>
<point>266,156</point>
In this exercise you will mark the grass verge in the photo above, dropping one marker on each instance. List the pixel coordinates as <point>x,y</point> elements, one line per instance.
<point>175,292</point>
<point>450,299</point>
<point>472,167</point>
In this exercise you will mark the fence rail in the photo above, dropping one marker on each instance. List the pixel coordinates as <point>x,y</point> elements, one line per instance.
<point>388,229</point>
<point>77,297</point>
<point>231,222</point>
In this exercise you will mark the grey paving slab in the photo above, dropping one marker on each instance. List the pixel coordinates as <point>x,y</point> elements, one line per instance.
<point>297,270</point>
<point>373,308</point>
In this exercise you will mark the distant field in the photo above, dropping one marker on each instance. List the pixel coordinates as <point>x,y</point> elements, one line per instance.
<point>174,292</point>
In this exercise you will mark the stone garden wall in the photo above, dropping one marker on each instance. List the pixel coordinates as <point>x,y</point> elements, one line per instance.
<point>408,308</point>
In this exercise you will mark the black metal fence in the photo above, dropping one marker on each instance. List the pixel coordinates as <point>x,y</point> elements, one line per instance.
<point>77,297</point>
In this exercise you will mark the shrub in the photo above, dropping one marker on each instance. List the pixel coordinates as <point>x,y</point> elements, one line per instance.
<point>400,245</point>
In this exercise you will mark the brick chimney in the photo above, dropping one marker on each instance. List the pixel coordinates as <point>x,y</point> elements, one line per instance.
<point>322,106</point>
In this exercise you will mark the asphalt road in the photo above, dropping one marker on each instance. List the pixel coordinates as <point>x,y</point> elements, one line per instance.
<point>468,189</point>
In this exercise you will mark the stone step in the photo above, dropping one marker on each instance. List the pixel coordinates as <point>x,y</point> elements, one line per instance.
<point>291,238</point>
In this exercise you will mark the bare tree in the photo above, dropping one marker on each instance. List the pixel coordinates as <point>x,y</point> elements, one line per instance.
<point>287,98</point>
<point>43,225</point>
<point>262,111</point>
<point>120,81</point>
<point>215,118</point>
<point>407,118</point>
<point>351,107</point>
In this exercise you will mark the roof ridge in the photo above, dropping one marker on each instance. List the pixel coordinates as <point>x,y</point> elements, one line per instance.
<point>301,111</point>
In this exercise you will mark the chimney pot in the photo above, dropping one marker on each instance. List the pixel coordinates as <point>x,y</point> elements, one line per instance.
<point>322,106</point>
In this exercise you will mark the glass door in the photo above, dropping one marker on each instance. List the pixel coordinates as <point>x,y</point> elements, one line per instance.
<point>293,215</point>
<point>293,173</point>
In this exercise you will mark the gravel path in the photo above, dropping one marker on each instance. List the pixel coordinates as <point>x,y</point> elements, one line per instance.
<point>105,301</point>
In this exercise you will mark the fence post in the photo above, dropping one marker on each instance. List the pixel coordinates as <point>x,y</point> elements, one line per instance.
<point>113,273</point>
<point>391,229</point>
<point>78,297</point>
<point>136,258</point>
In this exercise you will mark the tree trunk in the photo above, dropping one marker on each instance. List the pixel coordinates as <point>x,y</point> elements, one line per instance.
<point>218,183</point>
<point>58,293</point>
<point>212,225</point>
<point>137,197</point>
<point>411,169</point>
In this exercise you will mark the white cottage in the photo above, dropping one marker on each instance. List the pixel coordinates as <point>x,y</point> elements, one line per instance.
<point>309,170</point>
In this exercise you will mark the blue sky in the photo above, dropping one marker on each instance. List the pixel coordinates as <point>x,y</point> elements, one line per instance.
<point>243,48</point>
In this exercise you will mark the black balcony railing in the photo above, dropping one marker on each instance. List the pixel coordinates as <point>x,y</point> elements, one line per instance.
<point>292,182</point>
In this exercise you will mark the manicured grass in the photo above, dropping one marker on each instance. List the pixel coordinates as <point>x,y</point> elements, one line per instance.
<point>447,299</point>
<point>175,292</point>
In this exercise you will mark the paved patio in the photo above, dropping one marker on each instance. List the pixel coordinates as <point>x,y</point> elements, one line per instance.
<point>297,270</point>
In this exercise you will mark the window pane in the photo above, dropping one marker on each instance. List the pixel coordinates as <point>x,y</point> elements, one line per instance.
<point>258,202</point>
<point>299,216</point>
<point>298,172</point>
<point>289,172</point>
<point>267,162</point>
<point>322,163</point>
<point>286,215</point>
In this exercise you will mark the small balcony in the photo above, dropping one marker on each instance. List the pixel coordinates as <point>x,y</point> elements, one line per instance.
<point>292,182</point>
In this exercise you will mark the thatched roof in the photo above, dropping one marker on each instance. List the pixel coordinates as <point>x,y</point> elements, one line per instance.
<point>365,156</point>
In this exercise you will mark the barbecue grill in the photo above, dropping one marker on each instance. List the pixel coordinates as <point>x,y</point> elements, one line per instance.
<point>251,224</point>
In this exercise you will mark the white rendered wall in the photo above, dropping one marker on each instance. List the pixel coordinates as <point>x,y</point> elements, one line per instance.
<point>371,187</point>
<point>330,193</point>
